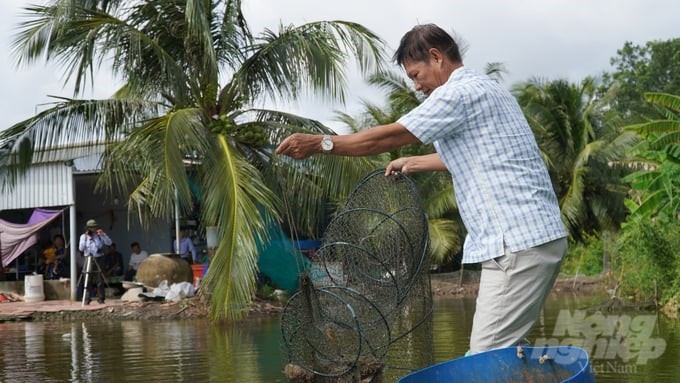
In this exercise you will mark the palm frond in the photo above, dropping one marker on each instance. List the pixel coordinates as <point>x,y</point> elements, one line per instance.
<point>496,70</point>
<point>200,49</point>
<point>445,239</point>
<point>310,56</point>
<point>305,185</point>
<point>70,127</point>
<point>378,114</point>
<point>581,140</point>
<point>437,193</point>
<point>618,148</point>
<point>401,97</point>
<point>152,161</point>
<point>231,33</point>
<point>572,204</point>
<point>235,198</point>
<point>350,121</point>
<point>81,38</point>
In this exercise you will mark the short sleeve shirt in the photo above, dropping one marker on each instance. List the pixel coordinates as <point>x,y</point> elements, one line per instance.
<point>503,190</point>
<point>137,258</point>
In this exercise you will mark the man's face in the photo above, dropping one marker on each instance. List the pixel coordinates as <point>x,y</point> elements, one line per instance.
<point>426,75</point>
<point>135,249</point>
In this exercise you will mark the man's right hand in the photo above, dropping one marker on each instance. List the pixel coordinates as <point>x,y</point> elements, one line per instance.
<point>300,145</point>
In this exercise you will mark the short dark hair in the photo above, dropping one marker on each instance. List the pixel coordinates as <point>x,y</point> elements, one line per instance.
<point>417,42</point>
<point>133,244</point>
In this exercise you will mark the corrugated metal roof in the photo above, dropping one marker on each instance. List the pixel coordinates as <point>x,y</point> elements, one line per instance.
<point>89,164</point>
<point>65,153</point>
<point>43,185</point>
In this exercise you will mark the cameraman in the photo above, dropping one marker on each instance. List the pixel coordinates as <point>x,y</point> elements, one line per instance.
<point>92,244</point>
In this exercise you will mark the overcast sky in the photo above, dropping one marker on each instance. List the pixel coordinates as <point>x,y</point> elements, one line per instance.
<point>533,38</point>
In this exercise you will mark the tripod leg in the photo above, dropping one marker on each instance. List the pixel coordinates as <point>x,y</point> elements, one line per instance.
<point>101,273</point>
<point>86,290</point>
<point>102,281</point>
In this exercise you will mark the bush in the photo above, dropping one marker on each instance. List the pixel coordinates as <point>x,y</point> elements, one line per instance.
<point>265,291</point>
<point>584,258</point>
<point>647,260</point>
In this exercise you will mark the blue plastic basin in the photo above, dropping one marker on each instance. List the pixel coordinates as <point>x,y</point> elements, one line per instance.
<point>507,365</point>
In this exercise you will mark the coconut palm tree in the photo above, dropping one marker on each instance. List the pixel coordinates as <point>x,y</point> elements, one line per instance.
<point>579,138</point>
<point>195,82</point>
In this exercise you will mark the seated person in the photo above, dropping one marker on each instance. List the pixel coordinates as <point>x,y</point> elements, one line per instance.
<point>56,262</point>
<point>137,256</point>
<point>112,262</point>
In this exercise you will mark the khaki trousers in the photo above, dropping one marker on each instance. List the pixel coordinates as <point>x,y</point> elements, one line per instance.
<point>512,290</point>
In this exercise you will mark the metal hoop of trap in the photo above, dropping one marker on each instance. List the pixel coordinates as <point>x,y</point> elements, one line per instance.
<point>368,272</point>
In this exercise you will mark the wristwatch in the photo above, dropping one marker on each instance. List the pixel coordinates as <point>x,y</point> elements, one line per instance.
<point>326,143</point>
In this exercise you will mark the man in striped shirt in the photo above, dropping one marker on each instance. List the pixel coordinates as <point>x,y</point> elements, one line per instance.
<point>502,186</point>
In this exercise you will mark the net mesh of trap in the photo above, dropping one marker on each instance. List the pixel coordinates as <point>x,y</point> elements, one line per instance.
<point>370,271</point>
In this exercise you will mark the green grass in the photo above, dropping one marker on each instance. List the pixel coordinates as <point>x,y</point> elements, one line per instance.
<point>584,258</point>
<point>647,260</point>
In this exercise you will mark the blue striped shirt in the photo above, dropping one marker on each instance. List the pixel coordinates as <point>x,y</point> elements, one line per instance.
<point>502,186</point>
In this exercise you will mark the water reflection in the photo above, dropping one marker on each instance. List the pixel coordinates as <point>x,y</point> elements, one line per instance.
<point>198,351</point>
<point>140,351</point>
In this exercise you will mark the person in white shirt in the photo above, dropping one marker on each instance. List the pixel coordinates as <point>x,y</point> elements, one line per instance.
<point>92,244</point>
<point>137,256</point>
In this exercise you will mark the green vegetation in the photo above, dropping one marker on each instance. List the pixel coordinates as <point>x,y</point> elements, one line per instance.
<point>585,257</point>
<point>656,186</point>
<point>652,67</point>
<point>614,181</point>
<point>579,136</point>
<point>647,261</point>
<point>647,265</point>
<point>195,79</point>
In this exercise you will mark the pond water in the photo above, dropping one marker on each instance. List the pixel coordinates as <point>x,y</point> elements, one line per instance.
<point>624,347</point>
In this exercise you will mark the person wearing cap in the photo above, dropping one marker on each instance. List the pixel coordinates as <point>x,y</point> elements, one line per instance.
<point>92,244</point>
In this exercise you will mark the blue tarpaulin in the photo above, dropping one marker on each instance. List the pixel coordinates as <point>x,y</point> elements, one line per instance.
<point>281,260</point>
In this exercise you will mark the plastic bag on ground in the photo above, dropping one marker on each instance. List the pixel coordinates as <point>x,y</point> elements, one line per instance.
<point>162,289</point>
<point>179,291</point>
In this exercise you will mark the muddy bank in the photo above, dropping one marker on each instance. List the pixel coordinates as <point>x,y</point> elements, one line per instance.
<point>457,285</point>
<point>444,285</point>
<point>191,308</point>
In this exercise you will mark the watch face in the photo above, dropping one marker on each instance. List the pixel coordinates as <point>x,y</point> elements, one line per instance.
<point>327,144</point>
